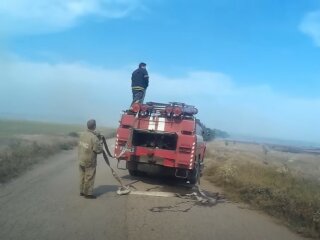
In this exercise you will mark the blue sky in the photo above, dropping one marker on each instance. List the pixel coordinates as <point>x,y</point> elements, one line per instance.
<point>251,67</point>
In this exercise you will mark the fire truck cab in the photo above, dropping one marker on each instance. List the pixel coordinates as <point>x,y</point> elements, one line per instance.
<point>165,138</point>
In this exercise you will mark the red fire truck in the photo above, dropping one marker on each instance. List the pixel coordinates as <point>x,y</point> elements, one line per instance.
<point>165,138</point>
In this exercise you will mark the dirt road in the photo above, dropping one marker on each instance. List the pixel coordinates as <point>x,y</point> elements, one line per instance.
<point>45,204</point>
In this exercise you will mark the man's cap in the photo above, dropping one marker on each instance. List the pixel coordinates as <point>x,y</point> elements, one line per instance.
<point>142,64</point>
<point>91,124</point>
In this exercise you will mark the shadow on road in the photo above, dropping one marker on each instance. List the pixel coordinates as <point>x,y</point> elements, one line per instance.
<point>162,184</point>
<point>103,189</point>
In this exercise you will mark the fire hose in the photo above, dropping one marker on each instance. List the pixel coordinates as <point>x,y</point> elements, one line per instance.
<point>123,189</point>
<point>197,195</point>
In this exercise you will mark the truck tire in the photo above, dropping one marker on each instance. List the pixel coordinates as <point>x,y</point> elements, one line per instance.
<point>132,168</point>
<point>133,173</point>
<point>195,174</point>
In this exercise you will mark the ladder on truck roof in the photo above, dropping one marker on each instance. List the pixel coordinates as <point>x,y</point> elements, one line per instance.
<point>187,109</point>
<point>170,110</point>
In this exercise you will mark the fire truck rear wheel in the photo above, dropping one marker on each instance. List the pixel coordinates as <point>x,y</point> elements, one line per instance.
<point>133,173</point>
<point>132,168</point>
<point>195,174</point>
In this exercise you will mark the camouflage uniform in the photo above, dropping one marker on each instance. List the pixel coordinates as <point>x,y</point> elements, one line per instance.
<point>89,147</point>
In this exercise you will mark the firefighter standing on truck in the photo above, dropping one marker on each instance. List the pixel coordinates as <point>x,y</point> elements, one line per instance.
<point>140,83</point>
<point>89,147</point>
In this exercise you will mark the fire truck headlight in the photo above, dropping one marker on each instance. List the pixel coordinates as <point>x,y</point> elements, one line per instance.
<point>177,111</point>
<point>169,110</point>
<point>135,107</point>
<point>144,107</point>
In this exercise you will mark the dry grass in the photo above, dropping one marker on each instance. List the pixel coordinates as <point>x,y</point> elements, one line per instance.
<point>25,143</point>
<point>278,188</point>
<point>21,154</point>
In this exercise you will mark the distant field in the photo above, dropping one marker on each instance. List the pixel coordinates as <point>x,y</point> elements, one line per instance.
<point>297,160</point>
<point>10,128</point>
<point>24,143</point>
<point>285,184</point>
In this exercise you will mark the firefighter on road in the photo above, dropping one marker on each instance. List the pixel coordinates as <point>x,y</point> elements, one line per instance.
<point>140,83</point>
<point>89,147</point>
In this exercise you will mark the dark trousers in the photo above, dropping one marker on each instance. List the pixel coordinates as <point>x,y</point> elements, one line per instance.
<point>138,96</point>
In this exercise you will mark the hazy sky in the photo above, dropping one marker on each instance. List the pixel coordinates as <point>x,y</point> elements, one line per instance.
<point>251,67</point>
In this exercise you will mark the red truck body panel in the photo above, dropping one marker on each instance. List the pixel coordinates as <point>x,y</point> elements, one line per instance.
<point>160,139</point>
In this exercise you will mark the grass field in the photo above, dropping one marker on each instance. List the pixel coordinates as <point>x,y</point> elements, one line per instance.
<point>283,184</point>
<point>25,143</point>
<point>9,128</point>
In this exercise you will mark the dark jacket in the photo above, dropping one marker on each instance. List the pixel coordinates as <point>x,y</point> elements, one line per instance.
<point>140,79</point>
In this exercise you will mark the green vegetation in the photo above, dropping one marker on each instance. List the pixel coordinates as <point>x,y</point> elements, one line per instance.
<point>210,134</point>
<point>278,191</point>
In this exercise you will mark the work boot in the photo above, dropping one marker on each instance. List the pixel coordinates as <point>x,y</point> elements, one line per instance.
<point>90,196</point>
